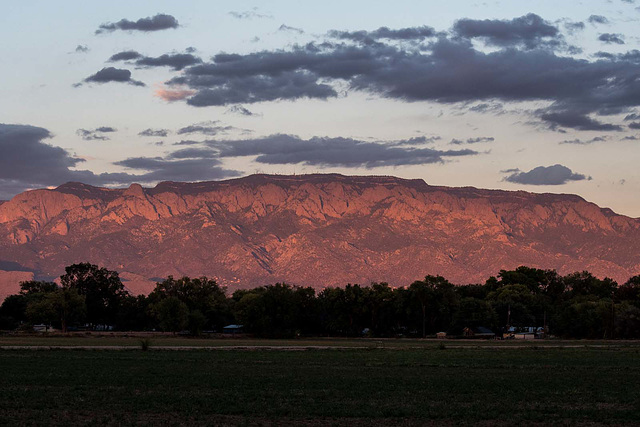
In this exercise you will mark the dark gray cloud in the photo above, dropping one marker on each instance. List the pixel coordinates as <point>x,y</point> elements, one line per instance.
<point>530,31</point>
<point>472,140</point>
<point>630,138</point>
<point>26,161</point>
<point>632,116</point>
<point>211,128</point>
<point>239,109</point>
<point>368,37</point>
<point>250,14</point>
<point>153,23</point>
<point>111,74</point>
<point>444,70</point>
<point>572,27</point>
<point>96,134</point>
<point>82,48</point>
<point>154,132</point>
<point>417,140</point>
<point>610,38</point>
<point>177,61</point>
<point>485,107</point>
<point>598,19</point>
<point>546,175</point>
<point>126,55</point>
<point>191,153</point>
<point>578,141</point>
<point>511,170</point>
<point>634,125</point>
<point>287,28</point>
<point>318,151</point>
<point>576,120</point>
<point>160,169</point>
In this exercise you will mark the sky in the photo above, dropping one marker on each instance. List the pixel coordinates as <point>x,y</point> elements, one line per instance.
<point>538,96</point>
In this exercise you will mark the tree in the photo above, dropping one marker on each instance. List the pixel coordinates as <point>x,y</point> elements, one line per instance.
<point>437,300</point>
<point>629,291</point>
<point>13,311</point>
<point>64,305</point>
<point>102,289</point>
<point>199,294</point>
<point>31,287</point>
<point>473,312</point>
<point>171,314</point>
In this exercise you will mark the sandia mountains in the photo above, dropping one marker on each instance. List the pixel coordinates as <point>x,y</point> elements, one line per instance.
<point>314,230</point>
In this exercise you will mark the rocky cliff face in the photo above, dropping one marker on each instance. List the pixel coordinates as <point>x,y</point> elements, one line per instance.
<point>314,230</point>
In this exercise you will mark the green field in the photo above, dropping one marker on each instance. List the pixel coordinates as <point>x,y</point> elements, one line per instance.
<point>397,386</point>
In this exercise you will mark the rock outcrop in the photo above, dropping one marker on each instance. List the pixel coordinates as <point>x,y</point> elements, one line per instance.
<point>314,230</point>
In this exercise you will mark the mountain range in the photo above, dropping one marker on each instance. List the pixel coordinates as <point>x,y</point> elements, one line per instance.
<point>312,230</point>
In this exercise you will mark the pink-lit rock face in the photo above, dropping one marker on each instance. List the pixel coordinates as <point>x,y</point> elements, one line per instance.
<point>313,230</point>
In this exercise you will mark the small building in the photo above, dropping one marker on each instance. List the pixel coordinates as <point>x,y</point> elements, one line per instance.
<point>441,335</point>
<point>526,332</point>
<point>232,329</point>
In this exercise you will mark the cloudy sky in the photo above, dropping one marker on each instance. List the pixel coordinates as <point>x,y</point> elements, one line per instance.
<point>539,96</point>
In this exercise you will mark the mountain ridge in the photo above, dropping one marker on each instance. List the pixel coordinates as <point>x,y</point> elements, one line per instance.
<point>316,230</point>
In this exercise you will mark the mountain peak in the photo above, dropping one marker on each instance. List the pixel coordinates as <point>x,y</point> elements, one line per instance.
<point>316,230</point>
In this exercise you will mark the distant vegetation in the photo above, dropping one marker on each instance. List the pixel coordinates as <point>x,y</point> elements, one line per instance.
<point>577,305</point>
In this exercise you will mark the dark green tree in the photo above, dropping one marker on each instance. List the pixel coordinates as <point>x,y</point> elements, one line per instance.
<point>64,306</point>
<point>201,295</point>
<point>171,314</point>
<point>102,289</point>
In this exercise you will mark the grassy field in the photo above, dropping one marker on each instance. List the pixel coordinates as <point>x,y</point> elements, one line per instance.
<point>358,386</point>
<point>159,340</point>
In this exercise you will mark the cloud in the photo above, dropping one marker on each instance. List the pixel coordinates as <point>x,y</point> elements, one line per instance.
<point>250,14</point>
<point>154,132</point>
<point>630,138</point>
<point>287,28</point>
<point>598,19</point>
<point>473,140</point>
<point>576,120</point>
<point>173,95</point>
<point>26,162</point>
<point>210,128</point>
<point>418,140</point>
<point>155,23</point>
<point>324,151</point>
<point>82,48</point>
<point>632,116</point>
<point>445,70</point>
<point>572,27</point>
<point>126,55</point>
<point>484,107</point>
<point>239,109</point>
<point>546,175</point>
<point>177,61</point>
<point>160,169</point>
<point>368,37</point>
<point>610,38</point>
<point>634,125</point>
<point>578,141</point>
<point>111,74</point>
<point>530,31</point>
<point>96,134</point>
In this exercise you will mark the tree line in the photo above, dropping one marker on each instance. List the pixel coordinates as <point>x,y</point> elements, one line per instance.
<point>577,305</point>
